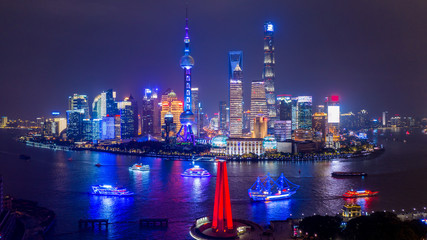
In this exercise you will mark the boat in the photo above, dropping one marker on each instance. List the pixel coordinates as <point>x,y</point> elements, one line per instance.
<point>108,190</point>
<point>98,165</point>
<point>203,159</point>
<point>196,171</point>
<point>266,189</point>
<point>140,167</point>
<point>24,157</point>
<point>359,193</point>
<point>349,174</point>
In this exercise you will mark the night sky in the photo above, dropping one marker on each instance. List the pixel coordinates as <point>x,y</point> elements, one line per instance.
<point>371,53</point>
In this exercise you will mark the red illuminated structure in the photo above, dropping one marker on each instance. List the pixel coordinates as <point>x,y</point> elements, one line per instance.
<point>222,217</point>
<point>222,225</point>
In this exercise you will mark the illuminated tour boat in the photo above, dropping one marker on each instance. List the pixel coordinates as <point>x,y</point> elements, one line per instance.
<point>108,190</point>
<point>140,167</point>
<point>359,193</point>
<point>196,171</point>
<point>266,189</point>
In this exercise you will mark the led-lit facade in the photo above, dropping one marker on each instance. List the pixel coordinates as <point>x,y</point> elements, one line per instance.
<point>150,117</point>
<point>258,101</point>
<point>77,102</point>
<point>236,93</point>
<point>75,124</point>
<point>283,130</point>
<point>173,106</point>
<point>268,74</point>
<point>333,116</point>
<point>304,107</point>
<point>260,127</point>
<point>240,146</point>
<point>320,126</point>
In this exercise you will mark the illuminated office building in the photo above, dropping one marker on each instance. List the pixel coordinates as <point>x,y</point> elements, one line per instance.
<point>320,126</point>
<point>320,109</point>
<point>108,130</point>
<point>236,93</point>
<point>174,107</point>
<point>246,121</point>
<point>258,102</point>
<point>363,119</point>
<point>284,103</point>
<point>150,115</point>
<point>75,124</point>
<point>77,102</point>
<point>128,111</point>
<point>304,106</point>
<point>294,102</point>
<point>3,121</point>
<point>333,117</point>
<point>197,111</point>
<point>384,119</point>
<point>87,130</point>
<point>260,127</point>
<point>222,115</point>
<point>104,104</point>
<point>268,74</point>
<point>283,130</point>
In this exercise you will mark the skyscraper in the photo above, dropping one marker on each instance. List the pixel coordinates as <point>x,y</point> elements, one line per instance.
<point>222,115</point>
<point>150,113</point>
<point>236,93</point>
<point>172,107</point>
<point>284,103</point>
<point>187,117</point>
<point>305,112</point>
<point>268,74</point>
<point>128,110</point>
<point>320,126</point>
<point>104,104</point>
<point>333,117</point>
<point>77,102</point>
<point>75,124</point>
<point>258,101</point>
<point>195,106</point>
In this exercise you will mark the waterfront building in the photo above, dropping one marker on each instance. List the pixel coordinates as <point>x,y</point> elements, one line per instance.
<point>260,127</point>
<point>240,146</point>
<point>187,117</point>
<point>87,130</point>
<point>333,116</point>
<point>150,115</point>
<point>348,121</point>
<point>235,93</point>
<point>96,129</point>
<point>128,111</point>
<point>53,126</point>
<point>384,119</point>
<point>258,101</point>
<point>219,144</point>
<point>363,119</point>
<point>77,102</point>
<point>294,102</point>
<point>301,135</point>
<point>222,116</point>
<point>304,112</point>
<point>108,130</point>
<point>117,127</point>
<point>320,126</point>
<point>396,121</point>
<point>3,121</point>
<point>350,211</point>
<point>268,74</point>
<point>269,144</point>
<point>75,124</point>
<point>283,130</point>
<point>174,107</point>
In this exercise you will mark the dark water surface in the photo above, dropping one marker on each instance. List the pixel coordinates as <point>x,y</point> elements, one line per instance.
<point>400,175</point>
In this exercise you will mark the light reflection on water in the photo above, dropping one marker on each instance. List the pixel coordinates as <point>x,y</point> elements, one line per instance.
<point>62,185</point>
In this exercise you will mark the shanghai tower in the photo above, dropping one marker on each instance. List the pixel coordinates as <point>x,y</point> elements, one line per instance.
<point>185,134</point>
<point>268,73</point>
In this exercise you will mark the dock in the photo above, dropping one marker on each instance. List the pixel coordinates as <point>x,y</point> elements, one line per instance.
<point>93,222</point>
<point>153,222</point>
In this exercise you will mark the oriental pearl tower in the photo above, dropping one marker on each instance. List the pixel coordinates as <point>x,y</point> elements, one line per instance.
<point>185,134</point>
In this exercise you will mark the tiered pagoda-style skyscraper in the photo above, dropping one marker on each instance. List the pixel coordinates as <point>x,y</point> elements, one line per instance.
<point>187,117</point>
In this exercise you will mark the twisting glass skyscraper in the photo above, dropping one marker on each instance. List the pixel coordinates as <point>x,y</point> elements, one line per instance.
<point>235,61</point>
<point>268,73</point>
<point>187,117</point>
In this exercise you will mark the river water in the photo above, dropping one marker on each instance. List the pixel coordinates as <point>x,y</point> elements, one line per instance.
<point>61,180</point>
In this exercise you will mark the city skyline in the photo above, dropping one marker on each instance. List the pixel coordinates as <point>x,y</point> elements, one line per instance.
<point>356,64</point>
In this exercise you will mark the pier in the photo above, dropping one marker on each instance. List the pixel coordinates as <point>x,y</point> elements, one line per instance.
<point>154,222</point>
<point>93,222</point>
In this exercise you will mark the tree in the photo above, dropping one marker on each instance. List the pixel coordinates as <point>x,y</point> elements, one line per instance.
<point>326,227</point>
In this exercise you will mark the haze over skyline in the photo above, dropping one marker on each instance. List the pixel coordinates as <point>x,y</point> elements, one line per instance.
<point>371,53</point>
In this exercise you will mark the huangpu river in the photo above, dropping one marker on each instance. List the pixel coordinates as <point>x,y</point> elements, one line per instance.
<point>61,180</point>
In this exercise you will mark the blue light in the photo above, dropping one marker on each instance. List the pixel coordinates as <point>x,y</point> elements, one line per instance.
<point>55,113</point>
